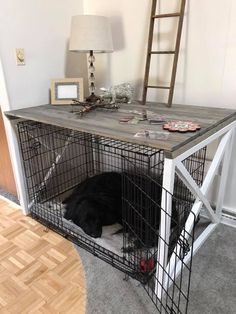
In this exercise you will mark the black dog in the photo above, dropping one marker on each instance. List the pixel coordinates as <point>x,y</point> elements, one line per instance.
<point>96,202</point>
<point>142,210</point>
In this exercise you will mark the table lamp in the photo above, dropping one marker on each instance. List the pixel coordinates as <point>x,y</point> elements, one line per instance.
<point>90,33</point>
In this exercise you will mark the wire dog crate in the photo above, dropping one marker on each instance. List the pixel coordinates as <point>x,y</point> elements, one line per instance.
<point>56,160</point>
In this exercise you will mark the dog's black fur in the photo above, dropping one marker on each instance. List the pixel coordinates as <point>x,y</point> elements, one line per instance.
<point>96,202</point>
<point>143,211</point>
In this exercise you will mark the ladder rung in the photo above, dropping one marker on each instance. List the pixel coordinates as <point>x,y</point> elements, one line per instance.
<point>179,14</point>
<point>161,87</point>
<point>162,52</point>
<point>165,15</point>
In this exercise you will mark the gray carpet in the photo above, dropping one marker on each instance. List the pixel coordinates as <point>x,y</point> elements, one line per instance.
<point>213,284</point>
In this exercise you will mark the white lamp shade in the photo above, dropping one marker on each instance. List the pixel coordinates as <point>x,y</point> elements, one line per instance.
<point>90,32</point>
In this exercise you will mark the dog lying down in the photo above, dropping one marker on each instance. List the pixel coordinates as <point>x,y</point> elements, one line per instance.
<point>97,202</point>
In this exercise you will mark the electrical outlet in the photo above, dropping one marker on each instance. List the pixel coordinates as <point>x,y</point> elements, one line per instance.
<point>20,56</point>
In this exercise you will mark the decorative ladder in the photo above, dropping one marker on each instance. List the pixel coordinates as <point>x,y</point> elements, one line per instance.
<point>180,15</point>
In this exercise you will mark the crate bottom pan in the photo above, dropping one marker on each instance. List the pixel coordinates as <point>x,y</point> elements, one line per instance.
<point>71,232</point>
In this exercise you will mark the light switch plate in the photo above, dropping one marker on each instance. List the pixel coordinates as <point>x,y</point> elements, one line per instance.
<point>20,56</point>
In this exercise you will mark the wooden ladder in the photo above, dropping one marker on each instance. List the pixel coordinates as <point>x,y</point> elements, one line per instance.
<point>175,52</point>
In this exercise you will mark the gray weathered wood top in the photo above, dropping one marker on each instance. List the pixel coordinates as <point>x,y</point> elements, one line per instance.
<point>106,123</point>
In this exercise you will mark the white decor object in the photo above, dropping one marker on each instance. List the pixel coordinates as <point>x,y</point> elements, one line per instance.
<point>118,93</point>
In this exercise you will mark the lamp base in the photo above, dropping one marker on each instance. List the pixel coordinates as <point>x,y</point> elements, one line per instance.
<point>92,98</point>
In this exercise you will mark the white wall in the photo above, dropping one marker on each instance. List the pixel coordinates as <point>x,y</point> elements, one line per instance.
<point>207,60</point>
<point>42,28</point>
<point>207,63</point>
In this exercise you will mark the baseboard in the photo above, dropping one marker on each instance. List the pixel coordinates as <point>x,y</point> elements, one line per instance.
<point>10,201</point>
<point>229,217</point>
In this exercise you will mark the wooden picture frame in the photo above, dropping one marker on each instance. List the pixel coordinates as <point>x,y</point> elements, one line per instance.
<point>63,91</point>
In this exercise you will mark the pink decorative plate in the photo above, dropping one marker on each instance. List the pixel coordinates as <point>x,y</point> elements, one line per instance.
<point>181,126</point>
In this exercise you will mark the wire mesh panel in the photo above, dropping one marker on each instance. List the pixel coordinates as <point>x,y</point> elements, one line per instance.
<point>143,196</point>
<point>57,160</point>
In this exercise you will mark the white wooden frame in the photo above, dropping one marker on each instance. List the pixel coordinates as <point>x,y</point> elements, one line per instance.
<point>166,272</point>
<point>66,82</point>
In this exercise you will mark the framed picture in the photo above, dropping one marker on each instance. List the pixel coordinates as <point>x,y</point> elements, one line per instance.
<point>63,91</point>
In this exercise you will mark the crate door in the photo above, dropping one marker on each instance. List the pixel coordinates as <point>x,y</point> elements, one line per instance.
<point>141,205</point>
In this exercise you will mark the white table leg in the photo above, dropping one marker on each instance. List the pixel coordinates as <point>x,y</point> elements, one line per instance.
<point>224,175</point>
<point>165,224</point>
<point>223,152</point>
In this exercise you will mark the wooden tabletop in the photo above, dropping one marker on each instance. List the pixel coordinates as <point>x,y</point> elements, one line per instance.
<point>106,123</point>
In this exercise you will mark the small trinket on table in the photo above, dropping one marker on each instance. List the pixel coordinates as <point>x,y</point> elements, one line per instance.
<point>131,119</point>
<point>181,126</point>
<point>126,119</point>
<point>135,120</point>
<point>89,106</point>
<point>118,93</point>
<point>156,121</point>
<point>152,135</point>
<point>143,115</point>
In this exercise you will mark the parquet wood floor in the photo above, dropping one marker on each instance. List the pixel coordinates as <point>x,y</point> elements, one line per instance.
<point>40,272</point>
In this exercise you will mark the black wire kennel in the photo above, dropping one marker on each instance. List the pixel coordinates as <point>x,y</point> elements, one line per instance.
<point>57,159</point>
